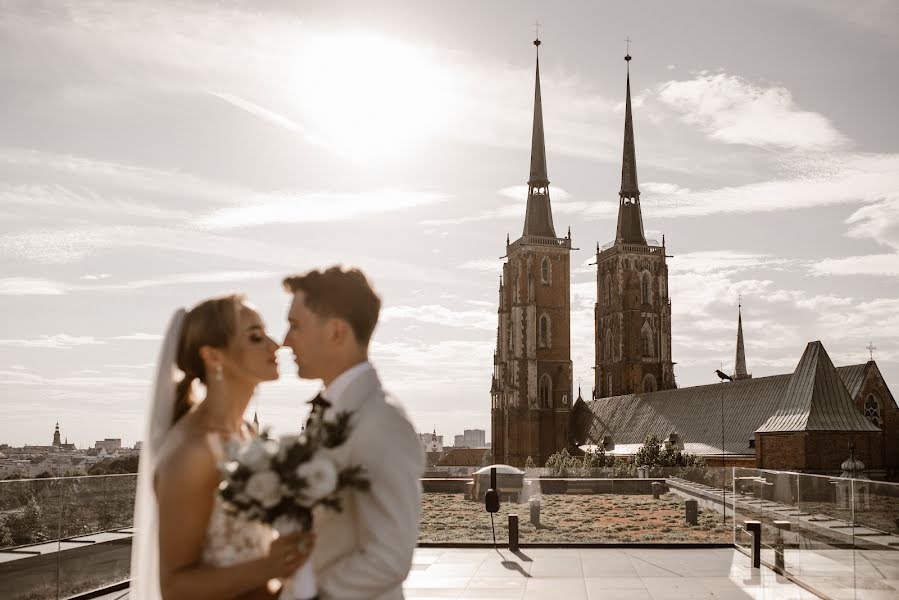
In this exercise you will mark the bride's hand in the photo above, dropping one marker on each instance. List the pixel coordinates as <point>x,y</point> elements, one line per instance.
<point>285,556</point>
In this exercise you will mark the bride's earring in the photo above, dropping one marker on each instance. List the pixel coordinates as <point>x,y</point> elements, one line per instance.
<point>218,373</point>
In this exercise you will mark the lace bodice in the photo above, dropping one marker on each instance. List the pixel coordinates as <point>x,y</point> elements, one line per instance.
<point>231,539</point>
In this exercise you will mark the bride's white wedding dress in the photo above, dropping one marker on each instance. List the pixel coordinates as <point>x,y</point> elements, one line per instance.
<point>231,539</point>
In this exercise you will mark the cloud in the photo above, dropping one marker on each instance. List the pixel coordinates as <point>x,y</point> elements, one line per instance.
<point>878,222</point>
<point>90,171</point>
<point>263,113</point>
<point>21,286</point>
<point>27,286</point>
<point>732,110</point>
<point>33,201</point>
<point>318,207</point>
<point>507,211</point>
<point>871,264</point>
<point>483,264</point>
<point>434,314</point>
<point>817,180</point>
<point>59,340</point>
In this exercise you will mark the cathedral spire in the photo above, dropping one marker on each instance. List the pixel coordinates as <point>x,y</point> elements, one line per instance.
<point>538,219</point>
<point>630,221</point>
<point>740,360</point>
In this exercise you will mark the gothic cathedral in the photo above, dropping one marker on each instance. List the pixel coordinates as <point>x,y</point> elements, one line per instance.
<point>633,312</point>
<point>531,389</point>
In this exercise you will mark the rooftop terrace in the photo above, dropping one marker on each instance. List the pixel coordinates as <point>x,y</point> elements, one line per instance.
<point>580,537</point>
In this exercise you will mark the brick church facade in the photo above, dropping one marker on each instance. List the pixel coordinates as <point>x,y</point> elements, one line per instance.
<point>532,378</point>
<point>800,421</point>
<point>633,312</point>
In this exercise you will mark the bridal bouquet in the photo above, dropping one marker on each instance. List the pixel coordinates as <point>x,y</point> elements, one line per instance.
<point>280,482</point>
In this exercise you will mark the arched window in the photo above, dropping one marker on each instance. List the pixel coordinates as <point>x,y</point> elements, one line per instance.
<point>646,288</point>
<point>872,409</point>
<point>646,348</point>
<point>545,334</point>
<point>546,275</point>
<point>608,354</point>
<point>545,393</point>
<point>649,384</point>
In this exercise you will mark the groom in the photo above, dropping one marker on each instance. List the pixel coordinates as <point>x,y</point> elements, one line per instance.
<point>365,551</point>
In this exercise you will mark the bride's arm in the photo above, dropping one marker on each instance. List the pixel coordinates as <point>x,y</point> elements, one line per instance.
<point>185,487</point>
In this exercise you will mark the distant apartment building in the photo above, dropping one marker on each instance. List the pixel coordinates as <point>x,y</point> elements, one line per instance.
<point>475,438</point>
<point>471,438</point>
<point>109,444</point>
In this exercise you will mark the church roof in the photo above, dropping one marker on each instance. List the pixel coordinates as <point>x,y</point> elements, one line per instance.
<point>816,399</point>
<point>694,413</point>
<point>853,377</point>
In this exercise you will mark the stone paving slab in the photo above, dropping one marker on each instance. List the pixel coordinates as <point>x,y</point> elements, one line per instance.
<point>591,574</point>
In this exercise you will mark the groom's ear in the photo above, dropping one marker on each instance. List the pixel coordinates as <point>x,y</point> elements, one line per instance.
<point>339,331</point>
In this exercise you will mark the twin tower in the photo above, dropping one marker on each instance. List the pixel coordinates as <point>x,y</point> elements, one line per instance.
<point>532,386</point>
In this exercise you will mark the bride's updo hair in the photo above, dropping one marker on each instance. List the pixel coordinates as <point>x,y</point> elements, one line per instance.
<point>213,323</point>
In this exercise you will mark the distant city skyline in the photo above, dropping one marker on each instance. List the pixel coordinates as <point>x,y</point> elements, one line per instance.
<point>155,155</point>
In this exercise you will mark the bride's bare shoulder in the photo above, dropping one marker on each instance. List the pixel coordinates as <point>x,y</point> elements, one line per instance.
<point>186,454</point>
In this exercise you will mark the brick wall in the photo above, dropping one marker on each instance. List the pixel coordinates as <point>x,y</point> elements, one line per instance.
<point>817,451</point>
<point>889,414</point>
<point>784,451</point>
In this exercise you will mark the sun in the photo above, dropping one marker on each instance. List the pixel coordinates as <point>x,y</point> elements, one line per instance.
<point>369,97</point>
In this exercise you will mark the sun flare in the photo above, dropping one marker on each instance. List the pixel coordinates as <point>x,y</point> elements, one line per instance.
<point>369,97</point>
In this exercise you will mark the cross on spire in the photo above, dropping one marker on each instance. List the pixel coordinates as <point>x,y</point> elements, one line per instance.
<point>871,348</point>
<point>537,32</point>
<point>628,52</point>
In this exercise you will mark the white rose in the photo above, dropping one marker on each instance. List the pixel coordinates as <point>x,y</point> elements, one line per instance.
<point>265,488</point>
<point>285,525</point>
<point>320,475</point>
<point>253,456</point>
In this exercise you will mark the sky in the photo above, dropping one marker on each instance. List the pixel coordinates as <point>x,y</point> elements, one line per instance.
<point>155,154</point>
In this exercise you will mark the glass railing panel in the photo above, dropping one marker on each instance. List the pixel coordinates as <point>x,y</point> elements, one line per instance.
<point>30,517</point>
<point>98,516</point>
<point>838,536</point>
<point>824,559</point>
<point>875,514</point>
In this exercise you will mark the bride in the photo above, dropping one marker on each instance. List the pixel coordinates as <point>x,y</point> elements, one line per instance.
<point>186,545</point>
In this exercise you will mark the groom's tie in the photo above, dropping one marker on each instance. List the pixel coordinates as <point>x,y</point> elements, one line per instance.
<point>319,405</point>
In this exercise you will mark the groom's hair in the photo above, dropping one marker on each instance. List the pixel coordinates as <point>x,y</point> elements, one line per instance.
<point>342,293</point>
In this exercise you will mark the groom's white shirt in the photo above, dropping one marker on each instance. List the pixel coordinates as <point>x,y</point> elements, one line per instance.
<point>366,551</point>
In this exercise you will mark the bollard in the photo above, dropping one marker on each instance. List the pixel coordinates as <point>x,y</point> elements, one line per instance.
<point>513,532</point>
<point>755,528</point>
<point>779,563</point>
<point>692,512</point>
<point>656,489</point>
<point>534,505</point>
